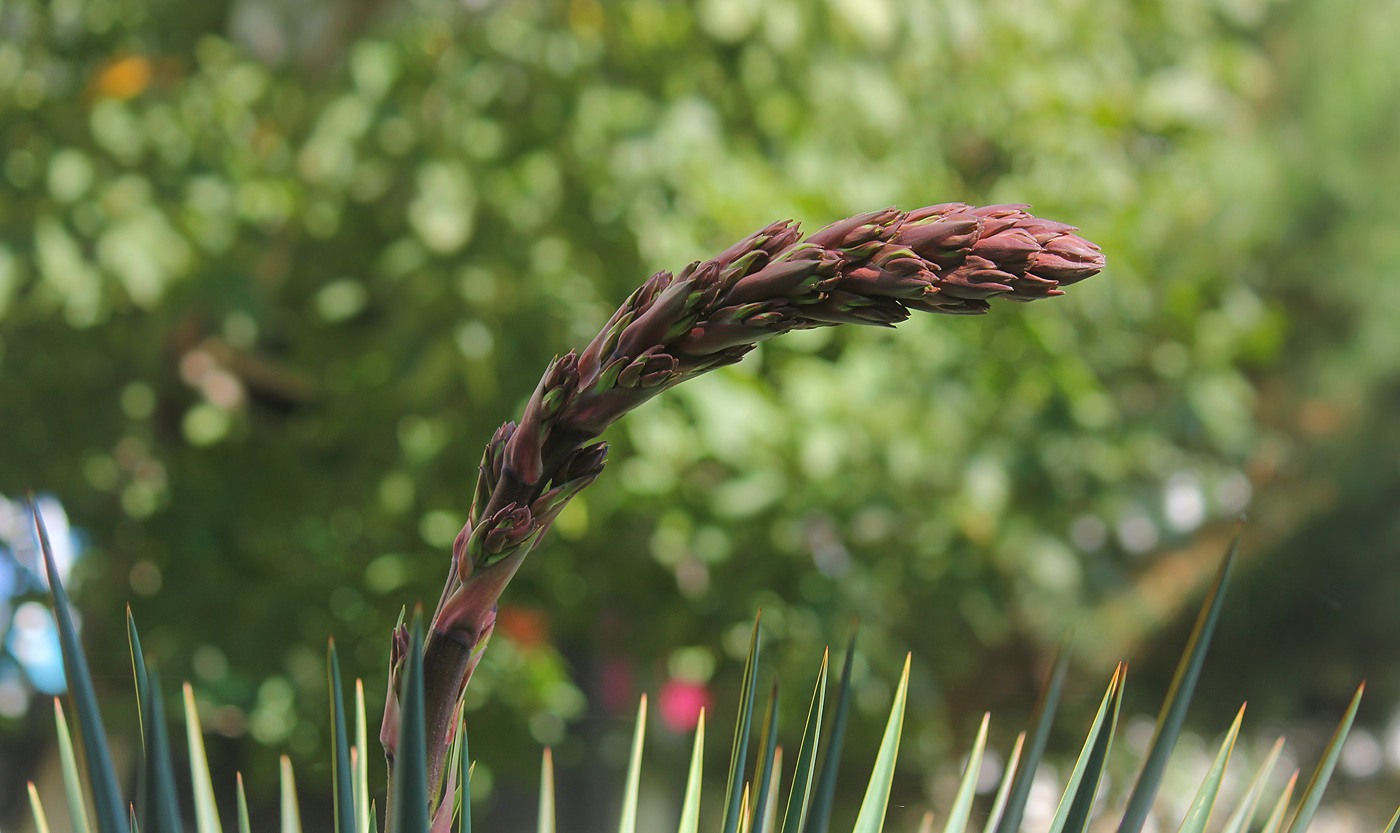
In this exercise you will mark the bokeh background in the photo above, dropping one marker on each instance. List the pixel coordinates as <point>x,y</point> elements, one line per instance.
<point>271,272</point>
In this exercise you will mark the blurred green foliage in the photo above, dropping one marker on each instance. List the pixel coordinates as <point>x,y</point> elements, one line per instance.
<point>271,274</point>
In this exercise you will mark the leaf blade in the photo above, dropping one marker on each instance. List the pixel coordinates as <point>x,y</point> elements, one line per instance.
<point>871,818</point>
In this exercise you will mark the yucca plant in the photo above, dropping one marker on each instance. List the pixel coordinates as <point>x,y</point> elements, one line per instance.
<point>753,804</point>
<point>874,269</point>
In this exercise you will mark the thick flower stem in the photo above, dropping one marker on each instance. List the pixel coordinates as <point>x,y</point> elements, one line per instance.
<point>874,269</point>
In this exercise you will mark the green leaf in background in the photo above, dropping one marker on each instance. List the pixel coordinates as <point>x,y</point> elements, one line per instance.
<point>871,818</point>
<point>344,779</point>
<point>409,791</point>
<point>628,822</point>
<point>819,817</point>
<point>742,724</point>
<point>801,792</point>
<point>1072,816</point>
<point>967,788</point>
<point>1275,820</point>
<point>1312,796</point>
<point>206,811</point>
<point>763,770</point>
<point>244,824</point>
<point>1042,716</point>
<point>72,781</point>
<point>1178,700</point>
<point>41,821</point>
<point>545,821</point>
<point>102,776</point>
<point>1004,790</point>
<point>926,823</point>
<point>1242,819</point>
<point>1198,816</point>
<point>291,812</point>
<point>690,805</point>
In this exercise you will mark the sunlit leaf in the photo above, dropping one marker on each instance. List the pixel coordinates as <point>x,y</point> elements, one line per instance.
<point>967,789</point>
<point>1198,816</point>
<point>206,811</point>
<point>871,818</point>
<point>1312,796</point>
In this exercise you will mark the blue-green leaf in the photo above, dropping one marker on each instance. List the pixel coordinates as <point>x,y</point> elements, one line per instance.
<point>999,803</point>
<point>1183,685</point>
<point>967,789</point>
<point>1072,816</point>
<point>1275,822</point>
<point>342,784</point>
<point>1312,796</point>
<point>1198,816</point>
<point>162,804</point>
<point>739,753</point>
<point>763,774</point>
<point>819,815</point>
<point>244,824</point>
<point>1242,820</point>
<point>102,776</point>
<point>1041,718</point>
<point>801,794</point>
<point>410,781</point>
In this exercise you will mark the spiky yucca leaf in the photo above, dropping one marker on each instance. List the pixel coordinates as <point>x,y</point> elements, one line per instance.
<point>819,814</point>
<point>1242,819</point>
<point>999,803</point>
<point>871,818</point>
<point>763,771</point>
<point>409,788</point>
<point>464,776</point>
<point>1275,821</point>
<point>1312,796</point>
<point>770,808</point>
<point>738,753</point>
<point>244,824</point>
<point>1072,816</point>
<point>628,822</point>
<point>361,765</point>
<point>342,789</point>
<point>291,812</point>
<point>801,793</point>
<point>162,809</point>
<point>926,823</point>
<point>41,821</point>
<point>206,811</point>
<point>1183,685</point>
<point>1394,821</point>
<point>1199,815</point>
<point>102,776</point>
<point>72,781</point>
<point>545,820</point>
<point>690,806</point>
<point>1042,716</point>
<point>967,788</point>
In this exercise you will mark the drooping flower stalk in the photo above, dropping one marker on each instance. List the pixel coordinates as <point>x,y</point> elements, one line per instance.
<point>874,269</point>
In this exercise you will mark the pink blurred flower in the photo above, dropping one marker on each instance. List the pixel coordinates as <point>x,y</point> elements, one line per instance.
<point>681,703</point>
